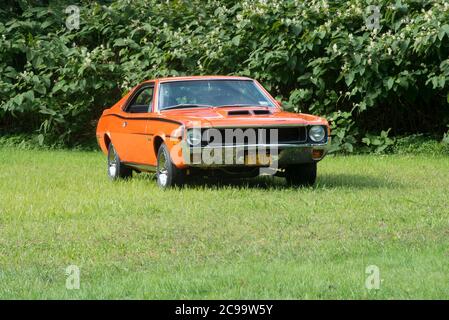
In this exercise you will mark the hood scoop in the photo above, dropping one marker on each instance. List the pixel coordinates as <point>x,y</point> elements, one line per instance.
<point>239,113</point>
<point>261,112</point>
<point>256,112</point>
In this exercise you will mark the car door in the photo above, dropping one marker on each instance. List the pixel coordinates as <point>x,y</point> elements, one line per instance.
<point>134,142</point>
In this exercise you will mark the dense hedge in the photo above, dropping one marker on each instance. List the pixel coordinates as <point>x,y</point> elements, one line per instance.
<point>319,56</point>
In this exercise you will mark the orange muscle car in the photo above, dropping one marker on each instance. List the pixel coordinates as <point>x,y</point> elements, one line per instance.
<point>209,126</point>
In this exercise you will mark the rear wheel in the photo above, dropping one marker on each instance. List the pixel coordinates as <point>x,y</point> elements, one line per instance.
<point>116,169</point>
<point>167,174</point>
<point>301,174</point>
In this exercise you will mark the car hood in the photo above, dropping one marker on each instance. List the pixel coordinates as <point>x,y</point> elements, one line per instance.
<point>240,117</point>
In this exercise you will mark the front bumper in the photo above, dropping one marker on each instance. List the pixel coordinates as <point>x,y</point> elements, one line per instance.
<point>279,155</point>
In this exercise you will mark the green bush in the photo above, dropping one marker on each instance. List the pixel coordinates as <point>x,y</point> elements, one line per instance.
<point>318,56</point>
<point>421,144</point>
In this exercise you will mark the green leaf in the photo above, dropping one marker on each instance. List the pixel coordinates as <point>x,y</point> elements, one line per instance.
<point>349,78</point>
<point>236,40</point>
<point>40,88</point>
<point>29,95</point>
<point>384,134</point>
<point>40,139</point>
<point>38,61</point>
<point>58,86</point>
<point>362,106</point>
<point>120,42</point>
<point>445,28</point>
<point>296,29</point>
<point>18,99</point>
<point>10,72</point>
<point>321,34</point>
<point>366,141</point>
<point>390,83</point>
<point>348,147</point>
<point>46,24</point>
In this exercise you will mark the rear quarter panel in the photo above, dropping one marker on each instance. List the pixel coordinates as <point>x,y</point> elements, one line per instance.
<point>103,131</point>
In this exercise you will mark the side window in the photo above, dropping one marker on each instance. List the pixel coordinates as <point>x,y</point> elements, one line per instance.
<point>142,102</point>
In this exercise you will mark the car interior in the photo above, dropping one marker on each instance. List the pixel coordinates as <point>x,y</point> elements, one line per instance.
<point>142,101</point>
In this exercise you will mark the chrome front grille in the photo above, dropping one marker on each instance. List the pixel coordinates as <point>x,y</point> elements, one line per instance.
<point>249,136</point>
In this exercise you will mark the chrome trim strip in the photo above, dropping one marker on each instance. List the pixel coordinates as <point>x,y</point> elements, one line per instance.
<point>279,146</point>
<point>141,167</point>
<point>268,126</point>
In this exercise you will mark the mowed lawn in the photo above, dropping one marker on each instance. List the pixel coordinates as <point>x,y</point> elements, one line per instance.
<point>259,239</point>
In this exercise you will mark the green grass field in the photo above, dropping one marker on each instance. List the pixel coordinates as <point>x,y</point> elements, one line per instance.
<point>257,239</point>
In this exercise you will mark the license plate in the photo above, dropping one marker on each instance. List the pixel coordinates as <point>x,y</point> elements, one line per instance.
<point>257,159</point>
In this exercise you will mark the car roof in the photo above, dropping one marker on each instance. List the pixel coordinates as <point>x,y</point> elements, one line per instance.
<point>189,78</point>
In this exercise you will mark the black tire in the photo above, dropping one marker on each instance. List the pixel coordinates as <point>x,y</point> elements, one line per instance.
<point>167,174</point>
<point>301,174</point>
<point>116,169</point>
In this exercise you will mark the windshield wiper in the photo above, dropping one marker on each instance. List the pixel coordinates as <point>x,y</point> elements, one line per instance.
<point>187,105</point>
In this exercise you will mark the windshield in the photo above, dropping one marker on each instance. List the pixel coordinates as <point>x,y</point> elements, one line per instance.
<point>211,93</point>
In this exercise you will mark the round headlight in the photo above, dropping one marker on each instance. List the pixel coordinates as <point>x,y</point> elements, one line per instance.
<point>194,137</point>
<point>317,133</point>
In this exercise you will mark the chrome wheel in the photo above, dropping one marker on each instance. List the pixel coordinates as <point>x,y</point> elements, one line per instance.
<point>112,164</point>
<point>116,169</point>
<point>162,170</point>
<point>167,175</point>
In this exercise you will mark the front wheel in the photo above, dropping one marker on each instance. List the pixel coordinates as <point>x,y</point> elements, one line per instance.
<point>167,174</point>
<point>116,169</point>
<point>301,174</point>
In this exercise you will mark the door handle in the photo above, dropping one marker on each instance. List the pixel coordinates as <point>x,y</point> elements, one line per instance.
<point>124,124</point>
